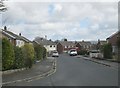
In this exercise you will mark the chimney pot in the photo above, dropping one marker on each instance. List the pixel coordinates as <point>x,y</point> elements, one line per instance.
<point>5,28</point>
<point>19,34</point>
<point>46,37</point>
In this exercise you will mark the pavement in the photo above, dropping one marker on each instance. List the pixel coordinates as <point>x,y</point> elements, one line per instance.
<point>39,70</point>
<point>100,61</point>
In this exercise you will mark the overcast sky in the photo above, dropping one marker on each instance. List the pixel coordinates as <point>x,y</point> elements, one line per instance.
<point>57,20</point>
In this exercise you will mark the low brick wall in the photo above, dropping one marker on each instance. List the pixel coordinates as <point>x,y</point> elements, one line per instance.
<point>12,71</point>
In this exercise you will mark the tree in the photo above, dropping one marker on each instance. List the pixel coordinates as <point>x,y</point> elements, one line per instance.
<point>7,54</point>
<point>65,39</point>
<point>98,45</point>
<point>29,55</point>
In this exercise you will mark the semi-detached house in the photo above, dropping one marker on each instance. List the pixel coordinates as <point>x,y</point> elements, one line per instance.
<point>65,46</point>
<point>48,44</point>
<point>15,39</point>
<point>113,41</point>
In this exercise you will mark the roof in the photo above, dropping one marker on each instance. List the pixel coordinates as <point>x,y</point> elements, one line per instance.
<point>14,36</point>
<point>67,43</point>
<point>44,41</point>
<point>84,43</point>
<point>117,33</point>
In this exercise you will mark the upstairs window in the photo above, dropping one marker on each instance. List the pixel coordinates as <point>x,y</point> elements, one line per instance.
<point>65,46</point>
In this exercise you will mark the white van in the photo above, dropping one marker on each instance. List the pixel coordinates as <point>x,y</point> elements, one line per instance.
<point>96,54</point>
<point>72,52</point>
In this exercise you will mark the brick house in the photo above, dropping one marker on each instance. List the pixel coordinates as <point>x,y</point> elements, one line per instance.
<point>15,39</point>
<point>113,41</point>
<point>85,45</point>
<point>65,46</point>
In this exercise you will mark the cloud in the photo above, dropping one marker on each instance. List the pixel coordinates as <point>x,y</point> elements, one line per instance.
<point>75,21</point>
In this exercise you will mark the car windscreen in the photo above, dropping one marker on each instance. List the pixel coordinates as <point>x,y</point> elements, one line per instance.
<point>73,51</point>
<point>55,52</point>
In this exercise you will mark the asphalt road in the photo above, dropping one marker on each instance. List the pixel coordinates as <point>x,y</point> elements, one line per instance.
<point>72,71</point>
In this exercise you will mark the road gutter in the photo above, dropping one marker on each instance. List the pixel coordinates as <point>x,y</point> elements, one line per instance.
<point>95,61</point>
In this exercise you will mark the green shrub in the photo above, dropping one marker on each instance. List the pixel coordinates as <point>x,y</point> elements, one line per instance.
<point>107,51</point>
<point>7,54</point>
<point>40,52</point>
<point>19,59</point>
<point>82,52</point>
<point>28,54</point>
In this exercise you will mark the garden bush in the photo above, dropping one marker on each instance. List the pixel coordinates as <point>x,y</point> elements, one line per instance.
<point>28,54</point>
<point>107,51</point>
<point>40,52</point>
<point>82,52</point>
<point>8,55</point>
<point>19,59</point>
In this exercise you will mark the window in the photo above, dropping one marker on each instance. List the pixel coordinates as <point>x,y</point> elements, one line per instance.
<point>18,42</point>
<point>50,45</point>
<point>65,46</point>
<point>54,45</point>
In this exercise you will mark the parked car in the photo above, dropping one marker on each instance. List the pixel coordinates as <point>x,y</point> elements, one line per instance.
<point>96,54</point>
<point>72,52</point>
<point>55,54</point>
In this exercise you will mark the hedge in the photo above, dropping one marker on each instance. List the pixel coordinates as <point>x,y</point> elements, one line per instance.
<point>28,54</point>
<point>40,52</point>
<point>107,51</point>
<point>14,57</point>
<point>19,58</point>
<point>8,55</point>
<point>83,52</point>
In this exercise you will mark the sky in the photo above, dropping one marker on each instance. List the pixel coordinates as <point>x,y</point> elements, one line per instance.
<point>78,21</point>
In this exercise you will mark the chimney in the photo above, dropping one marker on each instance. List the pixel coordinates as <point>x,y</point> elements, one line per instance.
<point>5,28</point>
<point>46,37</point>
<point>82,40</point>
<point>19,34</point>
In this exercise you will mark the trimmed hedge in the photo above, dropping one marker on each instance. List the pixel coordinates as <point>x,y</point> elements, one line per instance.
<point>19,58</point>
<point>28,54</point>
<point>107,51</point>
<point>8,55</point>
<point>83,52</point>
<point>14,57</point>
<point>40,52</point>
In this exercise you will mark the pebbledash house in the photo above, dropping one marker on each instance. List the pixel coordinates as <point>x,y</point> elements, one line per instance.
<point>48,44</point>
